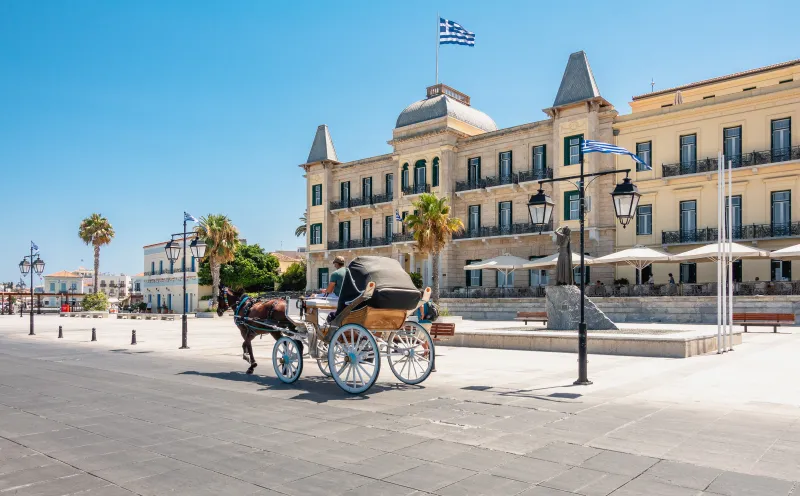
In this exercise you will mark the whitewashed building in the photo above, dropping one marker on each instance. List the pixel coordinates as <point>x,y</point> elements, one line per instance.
<point>162,282</point>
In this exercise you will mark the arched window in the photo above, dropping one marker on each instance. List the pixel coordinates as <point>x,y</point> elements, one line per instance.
<point>420,176</point>
<point>404,177</point>
<point>435,172</point>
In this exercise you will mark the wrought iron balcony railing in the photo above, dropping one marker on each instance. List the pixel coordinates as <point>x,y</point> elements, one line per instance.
<point>514,178</point>
<point>357,243</point>
<point>749,231</point>
<point>417,189</point>
<point>361,201</point>
<point>402,237</point>
<point>745,160</point>
<point>491,231</point>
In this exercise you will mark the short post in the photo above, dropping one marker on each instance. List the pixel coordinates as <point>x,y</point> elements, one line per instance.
<point>133,336</point>
<point>60,333</point>
<point>94,334</point>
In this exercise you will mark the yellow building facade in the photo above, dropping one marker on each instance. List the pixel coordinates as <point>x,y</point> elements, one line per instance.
<point>750,117</point>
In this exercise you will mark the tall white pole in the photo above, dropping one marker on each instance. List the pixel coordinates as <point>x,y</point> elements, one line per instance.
<point>719,253</point>
<point>437,47</point>
<point>730,255</point>
<point>723,239</point>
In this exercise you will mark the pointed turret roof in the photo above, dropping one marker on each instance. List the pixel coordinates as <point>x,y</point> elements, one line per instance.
<point>578,82</point>
<point>322,148</point>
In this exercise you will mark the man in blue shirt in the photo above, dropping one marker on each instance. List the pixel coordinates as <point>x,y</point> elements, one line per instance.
<point>337,278</point>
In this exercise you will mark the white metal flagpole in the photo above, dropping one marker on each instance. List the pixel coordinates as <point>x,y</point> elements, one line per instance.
<point>437,46</point>
<point>723,239</point>
<point>730,255</point>
<point>719,254</point>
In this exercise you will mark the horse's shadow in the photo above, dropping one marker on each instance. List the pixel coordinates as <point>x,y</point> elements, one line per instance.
<point>316,389</point>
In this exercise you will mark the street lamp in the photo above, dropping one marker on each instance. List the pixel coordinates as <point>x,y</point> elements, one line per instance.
<point>540,208</point>
<point>173,251</point>
<point>25,267</point>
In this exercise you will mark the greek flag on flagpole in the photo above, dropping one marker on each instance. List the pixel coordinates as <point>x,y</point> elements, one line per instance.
<point>33,245</point>
<point>188,217</point>
<point>453,33</point>
<point>590,146</point>
<point>397,216</point>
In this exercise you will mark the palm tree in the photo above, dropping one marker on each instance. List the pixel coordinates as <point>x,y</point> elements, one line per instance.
<point>95,230</point>
<point>222,239</point>
<point>432,226</point>
<point>301,229</point>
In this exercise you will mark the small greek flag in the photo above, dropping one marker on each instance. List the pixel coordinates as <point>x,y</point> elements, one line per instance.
<point>397,216</point>
<point>453,33</point>
<point>33,245</point>
<point>590,146</point>
<point>188,217</point>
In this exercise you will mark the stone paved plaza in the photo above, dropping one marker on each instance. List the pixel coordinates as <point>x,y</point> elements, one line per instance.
<point>108,418</point>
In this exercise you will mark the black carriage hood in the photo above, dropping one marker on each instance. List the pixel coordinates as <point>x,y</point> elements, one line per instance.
<point>393,286</point>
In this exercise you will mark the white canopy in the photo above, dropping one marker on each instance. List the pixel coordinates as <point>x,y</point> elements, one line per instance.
<point>502,263</point>
<point>552,260</point>
<point>708,253</point>
<point>788,252</point>
<point>639,256</point>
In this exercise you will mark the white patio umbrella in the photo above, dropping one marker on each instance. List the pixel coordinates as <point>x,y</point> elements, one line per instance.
<point>710,253</point>
<point>639,257</point>
<point>504,263</point>
<point>552,261</point>
<point>788,252</point>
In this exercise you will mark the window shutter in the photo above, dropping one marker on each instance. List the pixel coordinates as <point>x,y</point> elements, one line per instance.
<point>544,157</point>
<point>479,217</point>
<point>510,161</point>
<point>566,150</point>
<point>478,170</point>
<point>567,196</point>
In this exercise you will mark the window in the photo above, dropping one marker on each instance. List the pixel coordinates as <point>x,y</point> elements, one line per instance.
<point>572,149</point>
<point>403,223</point>
<point>435,172</point>
<point>572,205</point>
<point>137,287</point>
<point>474,171</point>
<point>504,280</point>
<point>781,270</point>
<point>389,186</point>
<point>316,234</point>
<point>688,220</point>
<point>420,175</point>
<point>781,213</point>
<point>169,301</point>
<point>193,264</point>
<point>644,220</point>
<point>63,287</point>
<point>316,195</point>
<point>152,268</point>
<point>366,230</point>
<point>404,177</point>
<point>732,145</point>
<point>160,266</point>
<point>781,139</point>
<point>504,216</point>
<point>737,271</point>
<point>344,232</point>
<point>322,277</point>
<point>736,204</point>
<point>52,287</point>
<point>537,277</point>
<point>505,166</point>
<point>474,277</point>
<point>171,267</point>
<point>689,153</point>
<point>576,274</point>
<point>539,161</point>
<point>644,151</point>
<point>344,193</point>
<point>366,189</point>
<point>688,273</point>
<point>474,219</point>
<point>388,228</point>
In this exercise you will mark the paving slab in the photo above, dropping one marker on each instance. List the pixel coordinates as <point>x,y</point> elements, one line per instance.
<point>587,482</point>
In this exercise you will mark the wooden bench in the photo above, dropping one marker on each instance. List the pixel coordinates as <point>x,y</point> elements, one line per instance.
<point>763,319</point>
<point>532,316</point>
<point>439,329</point>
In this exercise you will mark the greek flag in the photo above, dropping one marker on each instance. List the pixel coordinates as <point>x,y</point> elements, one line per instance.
<point>188,217</point>
<point>33,245</point>
<point>397,216</point>
<point>453,33</point>
<point>590,146</point>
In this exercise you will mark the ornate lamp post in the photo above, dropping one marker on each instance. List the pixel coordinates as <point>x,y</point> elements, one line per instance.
<point>25,267</point>
<point>540,208</point>
<point>173,251</point>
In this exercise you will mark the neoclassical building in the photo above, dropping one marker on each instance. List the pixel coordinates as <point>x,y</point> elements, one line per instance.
<point>443,144</point>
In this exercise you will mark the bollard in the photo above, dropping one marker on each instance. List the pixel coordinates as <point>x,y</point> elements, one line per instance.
<point>60,333</point>
<point>94,335</point>
<point>133,336</point>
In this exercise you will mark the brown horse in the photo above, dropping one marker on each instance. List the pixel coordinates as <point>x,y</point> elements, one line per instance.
<point>250,315</point>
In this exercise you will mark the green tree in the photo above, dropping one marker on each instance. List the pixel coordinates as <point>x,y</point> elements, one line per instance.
<point>252,269</point>
<point>294,279</point>
<point>95,230</point>
<point>95,302</point>
<point>432,227</point>
<point>301,229</point>
<point>221,238</point>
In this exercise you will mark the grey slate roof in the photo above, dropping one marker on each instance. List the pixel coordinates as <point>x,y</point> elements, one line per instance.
<point>443,105</point>
<point>578,82</point>
<point>322,148</point>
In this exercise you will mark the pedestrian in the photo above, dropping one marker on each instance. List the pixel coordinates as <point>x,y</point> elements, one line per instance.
<point>651,280</point>
<point>671,279</point>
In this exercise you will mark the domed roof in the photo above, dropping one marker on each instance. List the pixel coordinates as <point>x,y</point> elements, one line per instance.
<point>443,105</point>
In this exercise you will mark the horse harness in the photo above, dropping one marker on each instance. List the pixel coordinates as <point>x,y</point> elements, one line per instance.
<point>242,316</point>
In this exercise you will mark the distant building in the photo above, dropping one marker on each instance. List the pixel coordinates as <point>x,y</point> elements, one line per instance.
<point>161,283</point>
<point>66,283</point>
<point>287,258</point>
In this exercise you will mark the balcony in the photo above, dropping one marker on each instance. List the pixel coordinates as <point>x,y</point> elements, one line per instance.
<point>493,231</point>
<point>402,237</point>
<point>361,201</point>
<point>750,231</point>
<point>515,178</point>
<point>417,189</point>
<point>746,160</point>
<point>357,243</point>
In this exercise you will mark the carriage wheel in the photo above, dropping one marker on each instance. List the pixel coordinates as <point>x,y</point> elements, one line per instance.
<point>287,359</point>
<point>322,363</point>
<point>354,358</point>
<point>410,353</point>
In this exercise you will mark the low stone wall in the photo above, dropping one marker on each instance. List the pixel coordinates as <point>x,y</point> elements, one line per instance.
<point>666,309</point>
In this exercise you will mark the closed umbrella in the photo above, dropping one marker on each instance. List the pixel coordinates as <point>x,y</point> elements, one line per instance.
<point>639,257</point>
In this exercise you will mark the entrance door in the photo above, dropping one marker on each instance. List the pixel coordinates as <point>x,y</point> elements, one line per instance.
<point>158,301</point>
<point>169,301</point>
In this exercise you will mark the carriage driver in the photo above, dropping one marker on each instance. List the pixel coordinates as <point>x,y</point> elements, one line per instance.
<point>337,279</point>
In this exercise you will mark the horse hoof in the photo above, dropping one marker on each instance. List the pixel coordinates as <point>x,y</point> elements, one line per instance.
<point>249,371</point>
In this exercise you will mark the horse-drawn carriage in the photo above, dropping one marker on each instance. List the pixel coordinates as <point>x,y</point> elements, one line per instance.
<point>371,320</point>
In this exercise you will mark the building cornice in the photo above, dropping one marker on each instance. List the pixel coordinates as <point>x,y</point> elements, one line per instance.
<point>426,134</point>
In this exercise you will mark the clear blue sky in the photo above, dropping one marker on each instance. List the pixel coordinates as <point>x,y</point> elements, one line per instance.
<point>142,109</point>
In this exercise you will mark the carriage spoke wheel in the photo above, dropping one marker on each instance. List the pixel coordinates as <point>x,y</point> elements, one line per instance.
<point>322,362</point>
<point>287,359</point>
<point>410,353</point>
<point>353,358</point>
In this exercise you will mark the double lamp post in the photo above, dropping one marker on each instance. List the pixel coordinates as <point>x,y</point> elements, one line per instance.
<point>29,265</point>
<point>174,250</point>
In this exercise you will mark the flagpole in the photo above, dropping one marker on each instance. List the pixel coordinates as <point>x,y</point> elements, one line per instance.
<point>437,47</point>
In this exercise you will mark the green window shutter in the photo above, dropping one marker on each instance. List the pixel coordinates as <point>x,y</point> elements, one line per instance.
<point>567,196</point>
<point>566,150</point>
<point>511,161</point>
<point>479,216</point>
<point>544,156</point>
